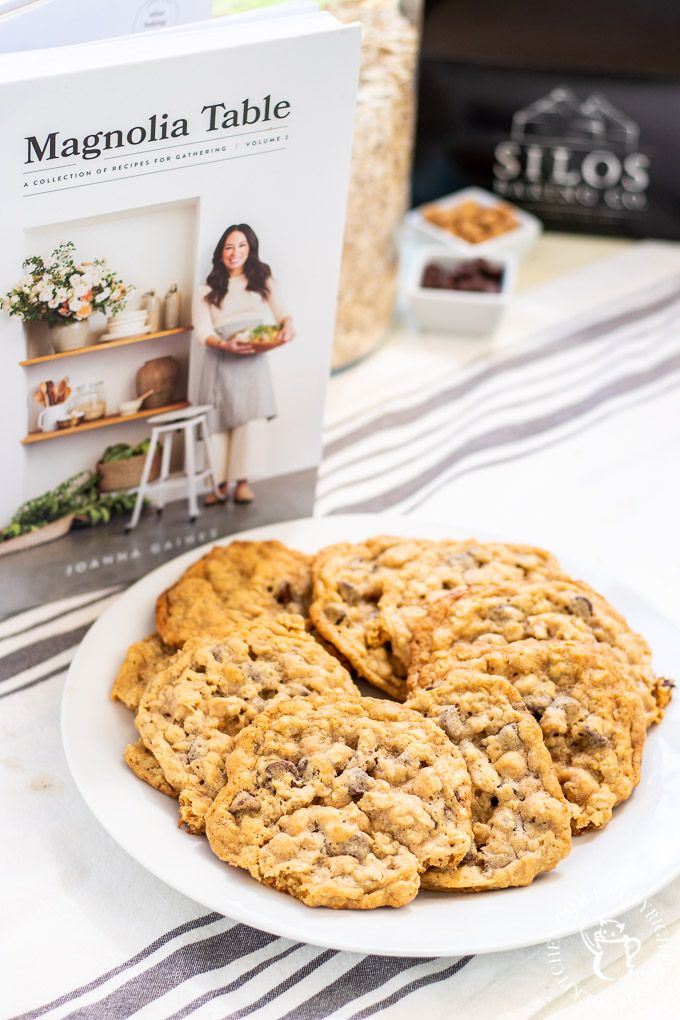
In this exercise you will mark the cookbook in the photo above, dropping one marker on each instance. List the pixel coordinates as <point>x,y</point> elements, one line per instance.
<point>173,208</point>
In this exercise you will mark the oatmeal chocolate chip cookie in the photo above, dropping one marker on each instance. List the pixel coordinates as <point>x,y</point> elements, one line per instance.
<point>520,819</point>
<point>342,804</point>
<point>216,685</point>
<point>369,597</point>
<point>588,708</point>
<point>142,762</point>
<point>552,609</point>
<point>142,660</point>
<point>242,579</point>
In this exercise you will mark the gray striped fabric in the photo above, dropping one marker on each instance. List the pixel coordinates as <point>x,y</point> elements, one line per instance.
<point>394,453</point>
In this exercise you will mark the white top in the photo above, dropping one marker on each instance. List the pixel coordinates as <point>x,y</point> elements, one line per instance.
<point>238,306</point>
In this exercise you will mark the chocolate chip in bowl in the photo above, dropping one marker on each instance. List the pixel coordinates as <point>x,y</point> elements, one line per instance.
<point>476,275</point>
<point>449,293</point>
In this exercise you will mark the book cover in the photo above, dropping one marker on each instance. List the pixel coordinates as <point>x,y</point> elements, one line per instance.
<point>172,229</point>
<point>28,24</point>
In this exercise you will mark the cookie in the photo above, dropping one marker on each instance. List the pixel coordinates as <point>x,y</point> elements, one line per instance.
<point>369,597</point>
<point>342,804</point>
<point>520,819</point>
<point>591,716</point>
<point>216,685</point>
<point>143,764</point>
<point>552,609</point>
<point>142,660</point>
<point>233,582</point>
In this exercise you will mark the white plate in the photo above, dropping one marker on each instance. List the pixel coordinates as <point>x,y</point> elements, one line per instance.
<point>123,333</point>
<point>605,874</point>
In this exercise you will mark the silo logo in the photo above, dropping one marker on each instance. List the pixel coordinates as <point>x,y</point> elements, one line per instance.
<point>570,153</point>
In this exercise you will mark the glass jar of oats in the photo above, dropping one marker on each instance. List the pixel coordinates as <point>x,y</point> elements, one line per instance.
<point>381,169</point>
<point>91,400</point>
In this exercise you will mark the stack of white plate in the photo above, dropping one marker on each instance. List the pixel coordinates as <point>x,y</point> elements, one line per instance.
<point>127,324</point>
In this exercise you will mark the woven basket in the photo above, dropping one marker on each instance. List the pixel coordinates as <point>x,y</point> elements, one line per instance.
<point>48,533</point>
<point>126,474</point>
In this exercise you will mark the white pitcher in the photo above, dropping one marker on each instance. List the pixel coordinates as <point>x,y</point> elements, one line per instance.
<point>47,419</point>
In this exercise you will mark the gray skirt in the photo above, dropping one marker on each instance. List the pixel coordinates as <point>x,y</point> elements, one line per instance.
<point>239,386</point>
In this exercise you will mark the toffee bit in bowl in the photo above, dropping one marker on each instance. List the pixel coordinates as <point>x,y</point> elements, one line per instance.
<point>472,221</point>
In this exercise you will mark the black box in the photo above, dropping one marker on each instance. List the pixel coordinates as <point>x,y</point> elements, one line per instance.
<point>584,134</point>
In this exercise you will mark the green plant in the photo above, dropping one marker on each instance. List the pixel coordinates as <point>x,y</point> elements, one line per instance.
<point>104,507</point>
<point>58,290</point>
<point>78,495</point>
<point>122,451</point>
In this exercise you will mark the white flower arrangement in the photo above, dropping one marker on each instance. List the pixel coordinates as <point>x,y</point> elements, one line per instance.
<point>58,290</point>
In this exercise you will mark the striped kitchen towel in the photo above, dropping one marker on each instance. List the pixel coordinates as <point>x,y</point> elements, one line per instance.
<point>397,449</point>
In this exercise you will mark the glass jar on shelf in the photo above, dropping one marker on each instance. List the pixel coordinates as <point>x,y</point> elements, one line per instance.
<point>381,169</point>
<point>91,400</point>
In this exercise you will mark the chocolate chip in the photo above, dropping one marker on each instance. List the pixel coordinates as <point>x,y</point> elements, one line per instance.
<point>297,690</point>
<point>591,738</point>
<point>579,605</point>
<point>463,561</point>
<point>196,749</point>
<point>349,592</point>
<point>452,724</point>
<point>504,611</point>
<point>244,804</point>
<point>357,846</point>
<point>358,781</point>
<point>334,613</point>
<point>277,769</point>
<point>564,703</point>
<point>508,737</point>
<point>254,672</point>
<point>285,593</point>
<point>472,275</point>
<point>216,653</point>
<point>398,667</point>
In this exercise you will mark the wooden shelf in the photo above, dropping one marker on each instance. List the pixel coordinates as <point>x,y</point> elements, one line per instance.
<point>106,346</point>
<point>102,423</point>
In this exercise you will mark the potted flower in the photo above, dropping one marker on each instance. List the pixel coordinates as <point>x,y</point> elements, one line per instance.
<point>64,294</point>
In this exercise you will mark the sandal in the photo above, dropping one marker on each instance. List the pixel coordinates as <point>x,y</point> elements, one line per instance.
<point>243,493</point>
<point>212,500</point>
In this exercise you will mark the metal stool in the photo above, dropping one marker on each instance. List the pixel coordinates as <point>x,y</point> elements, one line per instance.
<point>193,422</point>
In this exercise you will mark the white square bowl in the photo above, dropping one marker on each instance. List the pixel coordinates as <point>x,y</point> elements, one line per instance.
<point>517,242</point>
<point>440,310</point>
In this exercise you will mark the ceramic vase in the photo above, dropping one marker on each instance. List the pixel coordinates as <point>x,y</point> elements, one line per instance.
<point>159,375</point>
<point>152,304</point>
<point>171,308</point>
<point>69,336</point>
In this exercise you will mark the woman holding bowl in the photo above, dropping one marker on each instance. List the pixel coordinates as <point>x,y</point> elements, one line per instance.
<point>238,295</point>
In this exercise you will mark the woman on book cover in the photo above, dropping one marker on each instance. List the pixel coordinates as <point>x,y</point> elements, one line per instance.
<point>239,294</point>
